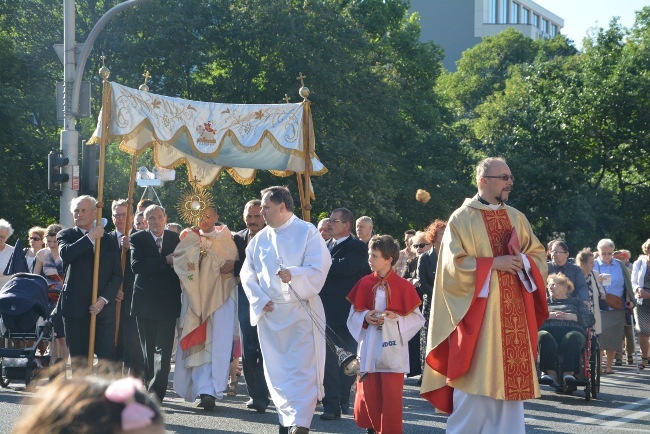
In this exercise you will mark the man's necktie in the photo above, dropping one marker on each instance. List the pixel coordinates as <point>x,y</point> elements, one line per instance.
<point>159,244</point>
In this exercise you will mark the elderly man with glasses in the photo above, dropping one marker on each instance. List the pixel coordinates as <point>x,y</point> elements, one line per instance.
<point>559,263</point>
<point>128,349</point>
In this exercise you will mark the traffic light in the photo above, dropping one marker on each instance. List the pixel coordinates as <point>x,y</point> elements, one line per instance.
<point>89,168</point>
<point>55,176</point>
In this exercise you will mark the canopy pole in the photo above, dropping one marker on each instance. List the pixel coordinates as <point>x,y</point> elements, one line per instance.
<point>301,194</point>
<point>127,231</point>
<point>106,108</point>
<point>305,194</point>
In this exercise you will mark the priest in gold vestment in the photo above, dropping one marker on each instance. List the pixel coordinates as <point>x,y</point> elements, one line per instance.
<point>488,302</point>
<point>204,263</point>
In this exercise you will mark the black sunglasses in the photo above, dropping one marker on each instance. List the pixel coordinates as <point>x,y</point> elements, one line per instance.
<point>419,246</point>
<point>35,238</point>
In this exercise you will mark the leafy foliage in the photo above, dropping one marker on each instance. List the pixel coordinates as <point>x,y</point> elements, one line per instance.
<point>388,119</point>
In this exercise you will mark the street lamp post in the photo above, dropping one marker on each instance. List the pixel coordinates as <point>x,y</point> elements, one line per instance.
<point>73,69</point>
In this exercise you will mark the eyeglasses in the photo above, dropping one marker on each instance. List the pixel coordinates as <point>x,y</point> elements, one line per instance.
<point>504,178</point>
<point>419,246</point>
<point>336,221</point>
<point>35,238</point>
<point>119,216</point>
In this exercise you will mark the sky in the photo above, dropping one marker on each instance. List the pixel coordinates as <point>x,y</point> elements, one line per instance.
<point>580,15</point>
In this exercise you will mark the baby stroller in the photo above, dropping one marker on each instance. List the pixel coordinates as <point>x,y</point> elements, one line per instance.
<point>24,316</point>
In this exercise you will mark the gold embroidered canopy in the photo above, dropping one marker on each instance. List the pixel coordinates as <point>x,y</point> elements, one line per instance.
<point>211,137</point>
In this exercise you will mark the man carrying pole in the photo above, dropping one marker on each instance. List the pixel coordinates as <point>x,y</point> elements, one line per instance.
<point>76,246</point>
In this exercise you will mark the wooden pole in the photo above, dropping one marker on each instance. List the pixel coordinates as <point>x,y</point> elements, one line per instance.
<point>106,108</point>
<point>127,232</point>
<point>301,194</point>
<point>306,140</point>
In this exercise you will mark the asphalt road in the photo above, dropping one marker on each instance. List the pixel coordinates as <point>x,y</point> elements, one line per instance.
<point>623,406</point>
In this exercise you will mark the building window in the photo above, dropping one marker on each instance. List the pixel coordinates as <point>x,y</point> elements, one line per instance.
<point>554,30</point>
<point>535,20</point>
<point>514,16</point>
<point>492,11</point>
<point>525,16</point>
<point>544,26</point>
<point>503,12</point>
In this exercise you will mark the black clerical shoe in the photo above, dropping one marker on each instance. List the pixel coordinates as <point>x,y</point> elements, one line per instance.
<point>330,416</point>
<point>207,402</point>
<point>299,430</point>
<point>371,431</point>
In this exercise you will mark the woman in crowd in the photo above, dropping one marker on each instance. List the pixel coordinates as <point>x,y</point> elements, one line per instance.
<point>49,264</point>
<point>615,278</point>
<point>427,276</point>
<point>585,260</point>
<point>564,332</point>
<point>559,263</point>
<point>36,243</point>
<point>641,285</point>
<point>419,244</point>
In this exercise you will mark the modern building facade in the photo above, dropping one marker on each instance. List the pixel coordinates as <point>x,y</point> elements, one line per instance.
<point>457,25</point>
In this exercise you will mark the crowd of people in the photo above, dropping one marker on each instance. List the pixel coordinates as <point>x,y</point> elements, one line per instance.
<point>452,307</point>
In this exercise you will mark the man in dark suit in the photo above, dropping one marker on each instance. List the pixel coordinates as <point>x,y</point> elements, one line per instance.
<point>349,264</point>
<point>76,247</point>
<point>128,348</point>
<point>252,362</point>
<point>156,296</point>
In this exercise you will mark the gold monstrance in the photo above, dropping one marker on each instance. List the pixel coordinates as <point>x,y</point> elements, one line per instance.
<point>193,204</point>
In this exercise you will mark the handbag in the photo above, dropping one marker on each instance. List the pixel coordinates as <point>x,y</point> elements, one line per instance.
<point>391,353</point>
<point>614,301</point>
<point>602,304</point>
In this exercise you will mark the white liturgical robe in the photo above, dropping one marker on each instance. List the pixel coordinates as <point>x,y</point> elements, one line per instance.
<point>291,336</point>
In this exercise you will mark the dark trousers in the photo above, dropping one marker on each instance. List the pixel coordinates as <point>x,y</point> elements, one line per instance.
<point>337,384</point>
<point>570,347</point>
<point>157,340</point>
<point>77,332</point>
<point>129,349</point>
<point>252,361</point>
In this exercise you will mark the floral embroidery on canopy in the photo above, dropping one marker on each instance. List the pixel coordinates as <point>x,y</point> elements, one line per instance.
<point>211,137</point>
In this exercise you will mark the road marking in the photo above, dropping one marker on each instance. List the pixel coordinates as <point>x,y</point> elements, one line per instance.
<point>598,418</point>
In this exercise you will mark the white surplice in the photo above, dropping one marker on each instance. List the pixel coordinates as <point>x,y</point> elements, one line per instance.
<point>370,338</point>
<point>211,377</point>
<point>291,336</point>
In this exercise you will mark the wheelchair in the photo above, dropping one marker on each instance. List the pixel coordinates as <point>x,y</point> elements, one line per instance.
<point>589,371</point>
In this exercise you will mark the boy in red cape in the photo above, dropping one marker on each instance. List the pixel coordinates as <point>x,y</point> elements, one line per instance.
<point>382,303</point>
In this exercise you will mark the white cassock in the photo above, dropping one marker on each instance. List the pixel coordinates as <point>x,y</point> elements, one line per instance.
<point>208,371</point>
<point>292,344</point>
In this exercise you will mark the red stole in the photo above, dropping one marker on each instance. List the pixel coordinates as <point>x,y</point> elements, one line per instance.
<point>521,314</point>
